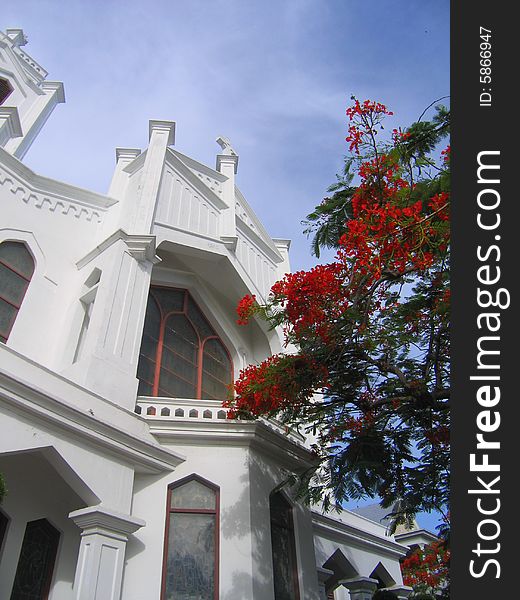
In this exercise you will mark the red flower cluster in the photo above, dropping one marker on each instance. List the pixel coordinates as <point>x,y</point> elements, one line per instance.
<point>399,136</point>
<point>388,238</point>
<point>390,233</point>
<point>246,308</point>
<point>439,205</point>
<point>312,300</point>
<point>364,118</point>
<point>281,381</point>
<point>426,567</point>
<point>369,107</point>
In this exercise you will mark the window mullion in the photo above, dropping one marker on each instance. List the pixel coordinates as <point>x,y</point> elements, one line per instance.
<point>158,360</point>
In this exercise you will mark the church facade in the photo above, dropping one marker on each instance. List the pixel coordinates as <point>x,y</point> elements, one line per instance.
<point>125,480</point>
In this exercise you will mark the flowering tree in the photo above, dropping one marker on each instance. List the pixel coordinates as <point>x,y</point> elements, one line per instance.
<point>426,569</point>
<point>370,377</point>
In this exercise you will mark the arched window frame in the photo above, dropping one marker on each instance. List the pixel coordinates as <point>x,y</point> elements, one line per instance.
<point>173,486</point>
<point>201,341</point>
<point>292,556</point>
<point>4,335</point>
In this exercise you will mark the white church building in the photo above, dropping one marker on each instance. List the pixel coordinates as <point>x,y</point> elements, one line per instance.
<point>125,480</point>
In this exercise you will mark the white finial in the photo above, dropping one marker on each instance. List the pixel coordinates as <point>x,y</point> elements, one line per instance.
<point>226,146</point>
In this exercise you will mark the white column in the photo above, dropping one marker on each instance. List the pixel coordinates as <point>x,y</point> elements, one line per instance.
<point>99,570</point>
<point>360,588</point>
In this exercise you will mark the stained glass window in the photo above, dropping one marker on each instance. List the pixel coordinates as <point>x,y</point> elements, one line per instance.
<point>36,563</point>
<point>181,355</point>
<point>191,560</point>
<point>285,573</point>
<point>16,270</point>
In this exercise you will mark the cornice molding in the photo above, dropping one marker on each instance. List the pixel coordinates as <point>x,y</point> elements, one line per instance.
<point>127,153</point>
<point>347,534</point>
<point>254,434</point>
<point>283,243</point>
<point>141,247</point>
<point>167,127</point>
<point>9,115</point>
<point>78,421</point>
<point>57,88</point>
<point>99,519</point>
<point>227,159</point>
<point>56,196</point>
<point>410,535</point>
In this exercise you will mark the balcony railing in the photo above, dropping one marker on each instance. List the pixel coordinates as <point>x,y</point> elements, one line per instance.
<point>186,409</point>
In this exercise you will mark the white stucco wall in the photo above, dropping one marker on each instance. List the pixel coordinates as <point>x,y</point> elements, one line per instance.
<point>245,479</point>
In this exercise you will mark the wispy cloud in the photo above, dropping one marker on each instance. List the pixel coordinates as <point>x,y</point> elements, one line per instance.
<point>274,76</point>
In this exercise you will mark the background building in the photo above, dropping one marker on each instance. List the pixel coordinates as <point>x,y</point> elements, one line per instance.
<point>117,343</point>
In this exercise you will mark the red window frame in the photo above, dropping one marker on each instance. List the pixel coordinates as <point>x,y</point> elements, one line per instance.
<point>4,335</point>
<point>201,344</point>
<point>169,511</point>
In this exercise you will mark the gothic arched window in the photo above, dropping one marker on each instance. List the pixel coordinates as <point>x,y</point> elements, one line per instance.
<point>191,546</point>
<point>16,270</point>
<point>181,355</point>
<point>285,569</point>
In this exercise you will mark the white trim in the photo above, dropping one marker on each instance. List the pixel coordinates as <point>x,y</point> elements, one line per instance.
<point>63,191</point>
<point>350,535</point>
<point>92,418</point>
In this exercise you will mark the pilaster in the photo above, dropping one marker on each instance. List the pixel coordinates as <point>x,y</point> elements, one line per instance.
<point>34,119</point>
<point>124,156</point>
<point>162,135</point>
<point>227,164</point>
<point>109,359</point>
<point>104,535</point>
<point>360,588</point>
<point>283,245</point>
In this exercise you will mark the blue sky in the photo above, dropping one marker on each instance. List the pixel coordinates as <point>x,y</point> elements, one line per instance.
<point>274,76</point>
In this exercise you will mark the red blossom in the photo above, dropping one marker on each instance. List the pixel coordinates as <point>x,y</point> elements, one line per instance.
<point>280,381</point>
<point>389,234</point>
<point>246,308</point>
<point>428,566</point>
